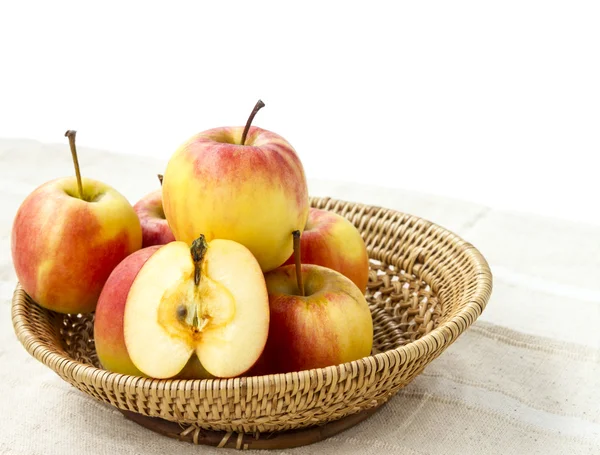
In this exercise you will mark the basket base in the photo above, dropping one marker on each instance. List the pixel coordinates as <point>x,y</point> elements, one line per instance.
<point>277,440</point>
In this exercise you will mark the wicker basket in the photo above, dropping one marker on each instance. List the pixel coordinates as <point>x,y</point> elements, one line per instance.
<point>426,286</point>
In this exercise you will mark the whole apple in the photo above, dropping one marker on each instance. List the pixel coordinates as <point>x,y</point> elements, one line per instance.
<point>68,236</point>
<point>243,184</point>
<point>155,228</point>
<point>329,325</point>
<point>175,311</point>
<point>333,241</point>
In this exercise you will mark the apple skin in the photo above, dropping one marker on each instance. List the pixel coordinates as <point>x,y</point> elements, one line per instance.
<point>331,325</point>
<point>108,322</point>
<point>255,194</point>
<point>332,241</point>
<point>155,228</point>
<point>64,248</point>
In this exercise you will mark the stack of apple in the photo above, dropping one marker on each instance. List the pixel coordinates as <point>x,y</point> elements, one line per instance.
<point>224,271</point>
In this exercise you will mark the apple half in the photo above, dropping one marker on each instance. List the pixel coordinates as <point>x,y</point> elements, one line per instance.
<point>209,300</point>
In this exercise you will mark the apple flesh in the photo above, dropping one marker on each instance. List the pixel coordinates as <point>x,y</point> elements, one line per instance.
<point>332,241</point>
<point>330,325</point>
<point>255,194</point>
<point>64,247</point>
<point>155,228</point>
<point>210,302</point>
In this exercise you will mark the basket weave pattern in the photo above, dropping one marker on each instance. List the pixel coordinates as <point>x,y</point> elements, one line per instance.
<point>426,286</point>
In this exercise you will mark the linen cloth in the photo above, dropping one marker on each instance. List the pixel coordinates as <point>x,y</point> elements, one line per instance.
<point>524,379</point>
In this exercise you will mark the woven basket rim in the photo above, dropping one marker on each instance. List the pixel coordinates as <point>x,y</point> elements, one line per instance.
<point>444,333</point>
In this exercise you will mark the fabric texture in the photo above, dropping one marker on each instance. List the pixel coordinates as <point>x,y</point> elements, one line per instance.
<point>524,379</point>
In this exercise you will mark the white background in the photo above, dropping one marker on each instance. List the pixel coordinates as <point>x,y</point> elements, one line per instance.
<point>493,102</point>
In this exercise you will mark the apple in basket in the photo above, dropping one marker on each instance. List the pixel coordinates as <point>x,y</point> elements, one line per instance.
<point>240,183</point>
<point>334,242</point>
<point>67,237</point>
<point>155,228</point>
<point>175,311</point>
<point>319,318</point>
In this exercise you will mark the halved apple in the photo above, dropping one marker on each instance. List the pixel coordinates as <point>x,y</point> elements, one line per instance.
<point>209,300</point>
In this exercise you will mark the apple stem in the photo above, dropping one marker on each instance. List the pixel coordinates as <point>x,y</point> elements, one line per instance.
<point>259,105</point>
<point>160,178</point>
<point>198,250</point>
<point>71,135</point>
<point>298,262</point>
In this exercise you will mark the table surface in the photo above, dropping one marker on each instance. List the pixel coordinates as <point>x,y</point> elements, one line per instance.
<point>525,378</point>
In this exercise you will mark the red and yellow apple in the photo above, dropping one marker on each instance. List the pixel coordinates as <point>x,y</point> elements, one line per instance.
<point>329,325</point>
<point>155,229</point>
<point>67,237</point>
<point>334,242</point>
<point>243,184</point>
<point>176,311</point>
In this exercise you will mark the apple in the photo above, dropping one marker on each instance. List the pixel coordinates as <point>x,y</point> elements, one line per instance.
<point>175,311</point>
<point>332,241</point>
<point>67,237</point>
<point>108,322</point>
<point>155,228</point>
<point>242,184</point>
<point>319,318</point>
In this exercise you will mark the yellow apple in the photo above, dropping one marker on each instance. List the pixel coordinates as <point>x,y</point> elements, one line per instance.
<point>68,236</point>
<point>328,325</point>
<point>242,184</point>
<point>332,241</point>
